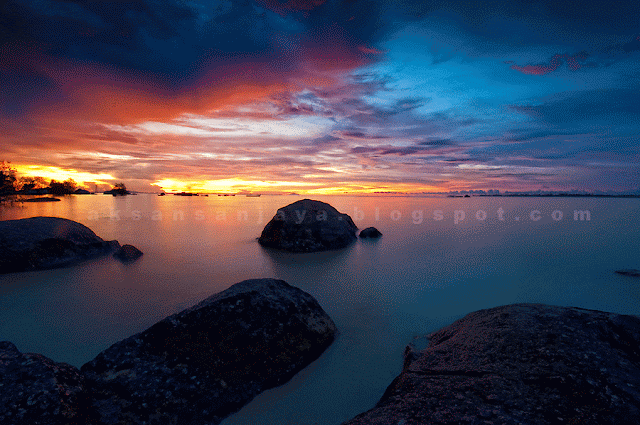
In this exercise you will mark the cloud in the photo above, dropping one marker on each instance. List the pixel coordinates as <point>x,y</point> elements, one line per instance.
<point>285,7</point>
<point>574,63</point>
<point>323,92</point>
<point>437,142</point>
<point>584,107</point>
<point>155,60</point>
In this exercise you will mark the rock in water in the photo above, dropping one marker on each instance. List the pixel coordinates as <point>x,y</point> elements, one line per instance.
<point>308,226</point>
<point>128,253</point>
<point>370,232</point>
<point>47,242</point>
<point>206,362</point>
<point>36,390</point>
<point>39,243</point>
<point>520,364</point>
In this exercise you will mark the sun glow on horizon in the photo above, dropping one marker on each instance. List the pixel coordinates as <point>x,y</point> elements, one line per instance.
<point>61,174</point>
<point>230,185</point>
<point>236,185</point>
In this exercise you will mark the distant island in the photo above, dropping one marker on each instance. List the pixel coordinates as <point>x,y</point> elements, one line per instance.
<point>540,193</point>
<point>119,189</point>
<point>534,193</point>
<point>11,186</point>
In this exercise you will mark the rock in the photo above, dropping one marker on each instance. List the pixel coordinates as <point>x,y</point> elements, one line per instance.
<point>128,253</point>
<point>308,226</point>
<point>36,390</point>
<point>370,232</point>
<point>629,272</point>
<point>47,242</point>
<point>523,363</point>
<point>206,362</point>
<point>43,199</point>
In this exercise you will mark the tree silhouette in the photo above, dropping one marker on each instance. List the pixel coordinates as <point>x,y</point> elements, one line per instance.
<point>7,178</point>
<point>27,183</point>
<point>119,189</point>
<point>62,188</point>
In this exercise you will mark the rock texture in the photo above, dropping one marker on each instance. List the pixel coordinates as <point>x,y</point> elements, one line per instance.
<point>206,362</point>
<point>128,253</point>
<point>38,391</point>
<point>47,242</point>
<point>520,364</point>
<point>629,272</point>
<point>370,232</point>
<point>308,226</point>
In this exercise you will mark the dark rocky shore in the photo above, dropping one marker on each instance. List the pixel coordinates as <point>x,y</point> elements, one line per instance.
<point>40,243</point>
<point>516,364</point>
<point>36,390</point>
<point>194,367</point>
<point>520,364</point>
<point>308,226</point>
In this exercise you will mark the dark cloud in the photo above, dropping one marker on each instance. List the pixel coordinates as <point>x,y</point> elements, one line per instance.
<point>437,142</point>
<point>585,106</point>
<point>288,6</point>
<point>574,63</point>
<point>434,147</point>
<point>160,89</point>
<point>632,46</point>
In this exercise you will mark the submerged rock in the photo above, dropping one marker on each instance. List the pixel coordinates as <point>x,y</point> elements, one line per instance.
<point>36,390</point>
<point>206,362</point>
<point>629,272</point>
<point>370,232</point>
<point>308,226</point>
<point>128,253</point>
<point>39,243</point>
<point>523,363</point>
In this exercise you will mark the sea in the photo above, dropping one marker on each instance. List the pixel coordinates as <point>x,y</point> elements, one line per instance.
<point>439,259</point>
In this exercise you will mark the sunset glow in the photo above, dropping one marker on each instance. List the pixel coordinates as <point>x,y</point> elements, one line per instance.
<point>321,98</point>
<point>59,174</point>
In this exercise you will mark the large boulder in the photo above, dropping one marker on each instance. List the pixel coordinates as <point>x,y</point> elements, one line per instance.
<point>47,242</point>
<point>206,362</point>
<point>520,364</point>
<point>36,390</point>
<point>308,226</point>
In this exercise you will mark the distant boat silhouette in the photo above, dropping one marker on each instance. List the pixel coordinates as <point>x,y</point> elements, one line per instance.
<point>253,195</point>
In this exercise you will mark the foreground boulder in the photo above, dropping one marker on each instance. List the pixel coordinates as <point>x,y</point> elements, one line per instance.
<point>36,390</point>
<point>206,362</point>
<point>523,363</point>
<point>308,226</point>
<point>370,232</point>
<point>39,243</point>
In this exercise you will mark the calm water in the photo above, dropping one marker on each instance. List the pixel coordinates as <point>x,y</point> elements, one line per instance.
<point>422,274</point>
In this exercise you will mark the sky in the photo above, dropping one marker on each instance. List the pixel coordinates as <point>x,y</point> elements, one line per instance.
<point>322,96</point>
